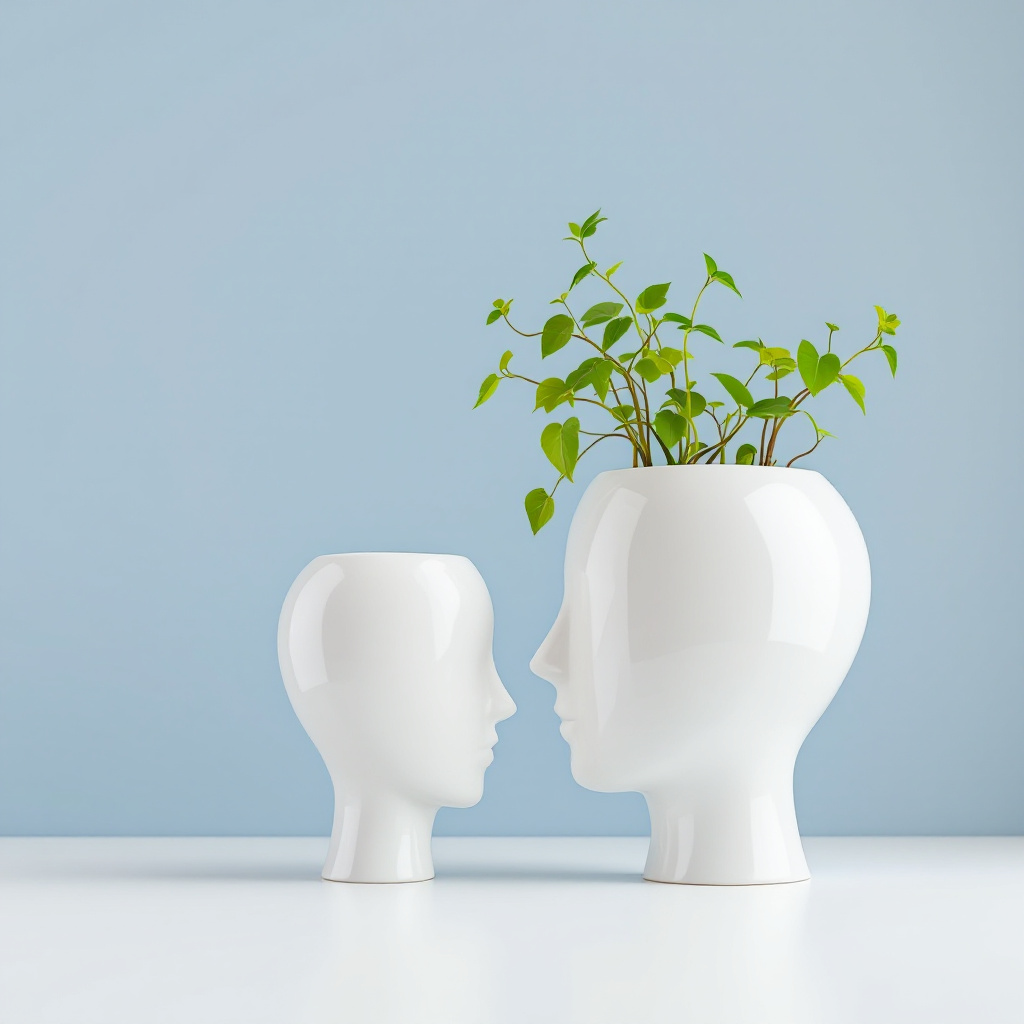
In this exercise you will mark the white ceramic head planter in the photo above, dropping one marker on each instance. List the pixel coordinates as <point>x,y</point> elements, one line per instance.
<point>386,658</point>
<point>710,614</point>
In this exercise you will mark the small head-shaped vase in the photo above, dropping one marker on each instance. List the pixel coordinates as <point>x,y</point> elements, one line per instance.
<point>710,614</point>
<point>386,658</point>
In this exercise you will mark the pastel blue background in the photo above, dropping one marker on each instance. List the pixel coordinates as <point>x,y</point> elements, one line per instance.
<point>247,249</point>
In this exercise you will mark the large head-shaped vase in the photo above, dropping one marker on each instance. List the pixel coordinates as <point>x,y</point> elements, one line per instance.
<point>386,658</point>
<point>710,615</point>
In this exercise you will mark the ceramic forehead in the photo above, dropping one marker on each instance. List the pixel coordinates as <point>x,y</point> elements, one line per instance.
<point>407,679</point>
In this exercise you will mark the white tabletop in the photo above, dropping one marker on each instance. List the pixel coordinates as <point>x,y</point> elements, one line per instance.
<point>524,931</point>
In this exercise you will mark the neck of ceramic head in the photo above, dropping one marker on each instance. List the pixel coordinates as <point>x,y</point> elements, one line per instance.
<point>379,836</point>
<point>727,824</point>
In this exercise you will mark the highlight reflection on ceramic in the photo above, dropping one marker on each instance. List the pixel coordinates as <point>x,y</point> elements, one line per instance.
<point>710,614</point>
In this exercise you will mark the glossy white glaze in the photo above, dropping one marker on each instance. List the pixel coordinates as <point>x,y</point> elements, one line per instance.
<point>710,615</point>
<point>387,661</point>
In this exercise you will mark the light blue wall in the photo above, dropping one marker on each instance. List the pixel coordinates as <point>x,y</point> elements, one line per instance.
<point>247,249</point>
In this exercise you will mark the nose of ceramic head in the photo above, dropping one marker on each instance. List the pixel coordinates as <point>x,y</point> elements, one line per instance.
<point>551,662</point>
<point>502,705</point>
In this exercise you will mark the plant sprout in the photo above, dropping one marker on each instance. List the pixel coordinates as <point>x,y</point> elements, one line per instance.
<point>643,389</point>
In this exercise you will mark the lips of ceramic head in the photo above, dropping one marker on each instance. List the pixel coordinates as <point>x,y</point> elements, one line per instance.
<point>502,707</point>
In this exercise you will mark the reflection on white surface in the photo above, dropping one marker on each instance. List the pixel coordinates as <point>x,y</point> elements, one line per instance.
<point>700,953</point>
<point>522,931</point>
<point>404,960</point>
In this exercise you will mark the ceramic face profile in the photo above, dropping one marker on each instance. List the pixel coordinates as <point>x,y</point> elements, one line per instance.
<point>386,658</point>
<point>710,615</point>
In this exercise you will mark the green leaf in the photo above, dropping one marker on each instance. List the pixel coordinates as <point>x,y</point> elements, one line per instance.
<point>589,226</point>
<point>600,378</point>
<point>723,278</point>
<point>745,455</point>
<point>581,274</point>
<point>580,377</point>
<point>887,322</point>
<point>623,413</point>
<point>828,371</point>
<point>678,318</point>
<point>770,408</point>
<point>489,386</point>
<point>551,444</point>
<point>856,389</point>
<point>540,507</point>
<point>773,355</point>
<point>818,431</point>
<point>652,298</point>
<point>697,403</point>
<point>556,334</point>
<point>670,426</point>
<point>614,330</point>
<point>600,313</point>
<point>570,445</point>
<point>709,331</point>
<point>648,369</point>
<point>505,360</point>
<point>737,390</point>
<point>755,345</point>
<point>673,355</point>
<point>611,270</point>
<point>495,314</point>
<point>574,229</point>
<point>561,444</point>
<point>710,264</point>
<point>498,303</point>
<point>890,355</point>
<point>831,327</point>
<point>782,371</point>
<point>551,393</point>
<point>807,362</point>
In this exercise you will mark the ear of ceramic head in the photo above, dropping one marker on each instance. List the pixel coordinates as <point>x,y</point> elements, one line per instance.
<point>710,614</point>
<point>387,660</point>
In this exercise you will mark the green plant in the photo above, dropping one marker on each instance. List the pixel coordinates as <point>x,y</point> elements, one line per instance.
<point>646,389</point>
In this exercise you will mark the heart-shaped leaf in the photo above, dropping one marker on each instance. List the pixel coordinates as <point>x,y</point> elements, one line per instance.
<point>551,393</point>
<point>556,334</point>
<point>671,427</point>
<point>652,298</point>
<point>561,444</point>
<point>614,330</point>
<point>540,507</point>
<point>649,369</point>
<point>581,274</point>
<point>807,362</point>
<point>827,372</point>
<point>856,389</point>
<point>709,331</point>
<point>890,355</point>
<point>489,386</point>
<point>737,389</point>
<point>600,313</point>
<point>745,455</point>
